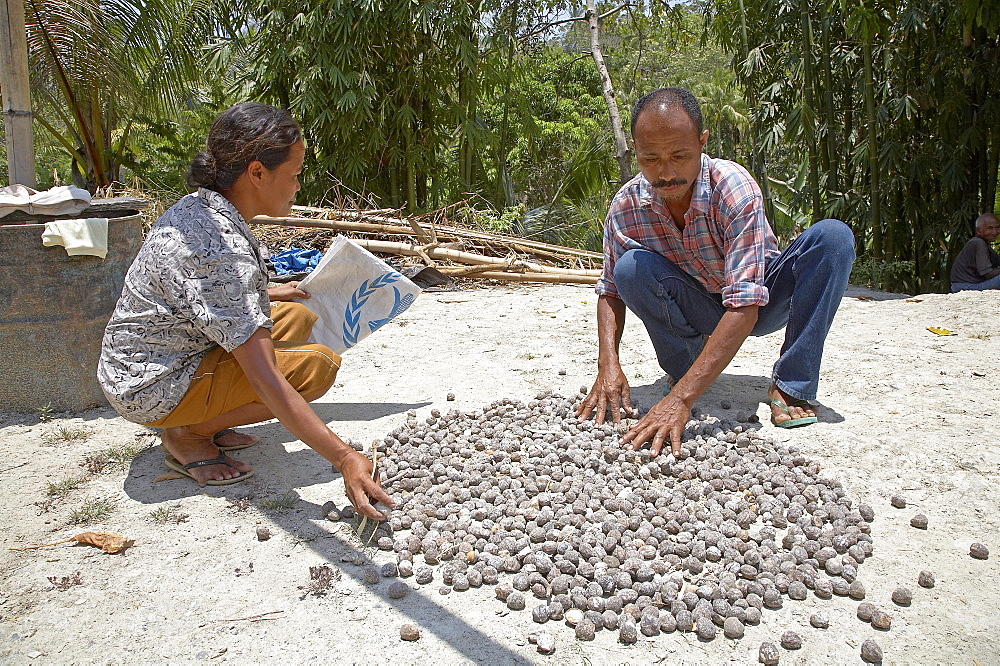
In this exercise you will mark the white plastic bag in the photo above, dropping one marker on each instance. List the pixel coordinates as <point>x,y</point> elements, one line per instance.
<point>354,293</point>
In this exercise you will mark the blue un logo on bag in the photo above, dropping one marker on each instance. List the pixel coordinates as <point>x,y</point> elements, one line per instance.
<point>353,311</point>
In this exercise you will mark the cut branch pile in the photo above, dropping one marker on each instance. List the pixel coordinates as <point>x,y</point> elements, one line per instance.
<point>432,240</point>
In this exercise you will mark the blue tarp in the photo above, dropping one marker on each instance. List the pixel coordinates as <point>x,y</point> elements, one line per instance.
<point>295,260</point>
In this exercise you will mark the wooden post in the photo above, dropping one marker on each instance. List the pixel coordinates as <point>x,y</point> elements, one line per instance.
<point>14,87</point>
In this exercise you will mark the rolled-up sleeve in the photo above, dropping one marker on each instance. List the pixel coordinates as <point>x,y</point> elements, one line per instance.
<point>612,250</point>
<point>748,239</point>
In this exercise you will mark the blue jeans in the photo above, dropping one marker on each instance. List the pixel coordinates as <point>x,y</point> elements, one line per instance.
<point>992,283</point>
<point>806,283</point>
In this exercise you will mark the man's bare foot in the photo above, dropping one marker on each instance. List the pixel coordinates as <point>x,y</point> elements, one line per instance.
<point>231,440</point>
<point>791,409</point>
<point>187,447</point>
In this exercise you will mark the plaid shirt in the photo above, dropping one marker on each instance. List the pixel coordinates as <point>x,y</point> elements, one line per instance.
<point>726,243</point>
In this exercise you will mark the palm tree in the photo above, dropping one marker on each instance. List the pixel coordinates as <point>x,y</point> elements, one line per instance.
<point>99,67</point>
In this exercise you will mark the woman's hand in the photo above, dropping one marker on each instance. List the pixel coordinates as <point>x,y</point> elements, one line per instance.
<point>362,490</point>
<point>286,292</point>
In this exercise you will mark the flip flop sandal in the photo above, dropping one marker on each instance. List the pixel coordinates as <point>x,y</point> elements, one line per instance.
<point>227,431</point>
<point>176,466</point>
<point>793,423</point>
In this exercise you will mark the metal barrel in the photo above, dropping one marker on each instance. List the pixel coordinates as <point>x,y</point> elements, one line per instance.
<point>53,310</point>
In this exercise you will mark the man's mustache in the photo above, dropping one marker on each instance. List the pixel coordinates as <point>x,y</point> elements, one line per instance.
<point>669,183</point>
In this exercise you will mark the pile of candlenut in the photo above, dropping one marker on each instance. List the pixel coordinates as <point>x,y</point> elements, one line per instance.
<point>564,521</point>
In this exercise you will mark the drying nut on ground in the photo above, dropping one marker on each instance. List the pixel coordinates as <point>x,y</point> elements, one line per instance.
<point>732,628</point>
<point>820,620</point>
<point>791,640</point>
<point>768,653</point>
<point>866,610</point>
<point>902,596</point>
<point>881,620</point>
<point>328,507</point>
<point>585,630</point>
<point>979,551</point>
<point>871,652</point>
<point>919,521</point>
<point>409,632</point>
<point>898,501</point>
<point>398,589</point>
<point>925,579</point>
<point>451,396</point>
<point>545,643</point>
<point>263,534</point>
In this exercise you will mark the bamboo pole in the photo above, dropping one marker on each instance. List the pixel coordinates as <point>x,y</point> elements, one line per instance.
<point>536,277</point>
<point>391,227</point>
<point>410,249</point>
<point>15,87</point>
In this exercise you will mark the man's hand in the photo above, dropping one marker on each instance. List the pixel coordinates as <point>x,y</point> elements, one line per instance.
<point>286,292</point>
<point>610,387</point>
<point>362,490</point>
<point>664,422</point>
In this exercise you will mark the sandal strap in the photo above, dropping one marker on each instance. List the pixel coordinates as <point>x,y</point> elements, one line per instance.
<point>221,460</point>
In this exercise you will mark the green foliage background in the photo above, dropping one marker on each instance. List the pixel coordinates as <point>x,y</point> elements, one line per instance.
<point>883,113</point>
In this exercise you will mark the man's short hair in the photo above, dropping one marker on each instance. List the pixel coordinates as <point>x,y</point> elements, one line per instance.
<point>670,97</point>
<point>983,219</point>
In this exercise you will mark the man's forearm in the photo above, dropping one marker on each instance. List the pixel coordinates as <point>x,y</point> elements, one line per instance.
<point>727,338</point>
<point>610,326</point>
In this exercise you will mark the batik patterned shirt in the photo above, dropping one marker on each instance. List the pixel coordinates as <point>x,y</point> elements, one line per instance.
<point>726,243</point>
<point>198,281</point>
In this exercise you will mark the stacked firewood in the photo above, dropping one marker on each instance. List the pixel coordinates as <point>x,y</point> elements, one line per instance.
<point>432,240</point>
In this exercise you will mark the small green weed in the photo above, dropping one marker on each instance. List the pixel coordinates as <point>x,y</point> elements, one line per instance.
<point>91,511</point>
<point>279,503</point>
<point>65,434</point>
<point>45,412</point>
<point>117,456</point>
<point>984,335</point>
<point>168,514</point>
<point>60,489</point>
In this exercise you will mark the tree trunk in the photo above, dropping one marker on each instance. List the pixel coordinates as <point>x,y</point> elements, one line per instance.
<point>15,87</point>
<point>874,187</point>
<point>622,153</point>
<point>810,124</point>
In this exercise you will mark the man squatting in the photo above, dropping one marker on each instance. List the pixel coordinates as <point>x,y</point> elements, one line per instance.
<point>688,249</point>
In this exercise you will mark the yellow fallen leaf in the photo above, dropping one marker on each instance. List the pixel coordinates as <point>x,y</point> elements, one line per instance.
<point>940,331</point>
<point>914,300</point>
<point>109,542</point>
<point>168,476</point>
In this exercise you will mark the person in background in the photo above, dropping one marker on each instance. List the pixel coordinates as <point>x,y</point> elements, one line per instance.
<point>977,266</point>
<point>196,346</point>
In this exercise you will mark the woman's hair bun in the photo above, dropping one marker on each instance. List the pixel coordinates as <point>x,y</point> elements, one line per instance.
<point>202,172</point>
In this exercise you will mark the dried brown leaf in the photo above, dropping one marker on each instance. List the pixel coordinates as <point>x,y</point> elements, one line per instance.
<point>109,542</point>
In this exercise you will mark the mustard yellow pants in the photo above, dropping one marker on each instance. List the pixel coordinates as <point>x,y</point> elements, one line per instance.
<point>219,385</point>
